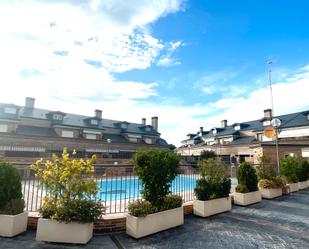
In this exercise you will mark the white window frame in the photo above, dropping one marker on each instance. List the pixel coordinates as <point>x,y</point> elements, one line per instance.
<point>57,116</point>
<point>237,127</point>
<point>67,134</point>
<point>148,140</point>
<point>266,123</point>
<point>94,122</point>
<point>4,128</point>
<point>133,139</point>
<point>90,136</point>
<point>10,110</point>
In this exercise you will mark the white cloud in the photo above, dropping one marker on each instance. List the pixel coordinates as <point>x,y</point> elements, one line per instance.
<point>167,60</point>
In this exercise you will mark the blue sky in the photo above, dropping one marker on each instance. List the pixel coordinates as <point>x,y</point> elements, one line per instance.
<point>192,63</point>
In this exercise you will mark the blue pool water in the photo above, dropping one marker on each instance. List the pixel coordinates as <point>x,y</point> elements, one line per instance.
<point>130,187</point>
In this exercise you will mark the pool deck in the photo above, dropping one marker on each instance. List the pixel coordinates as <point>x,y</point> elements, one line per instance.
<point>279,223</point>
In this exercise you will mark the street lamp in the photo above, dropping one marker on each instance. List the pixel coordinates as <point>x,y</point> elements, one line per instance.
<point>276,122</point>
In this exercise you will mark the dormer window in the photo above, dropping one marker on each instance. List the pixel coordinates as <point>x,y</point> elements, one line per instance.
<point>214,131</point>
<point>266,123</point>
<point>10,110</point>
<point>148,128</point>
<point>237,127</point>
<point>307,116</point>
<point>57,116</point>
<point>94,122</point>
<point>123,126</point>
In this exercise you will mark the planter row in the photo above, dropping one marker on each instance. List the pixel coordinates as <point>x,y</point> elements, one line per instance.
<point>137,227</point>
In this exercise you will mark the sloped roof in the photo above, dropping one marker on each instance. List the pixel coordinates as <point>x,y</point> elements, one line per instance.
<point>79,121</point>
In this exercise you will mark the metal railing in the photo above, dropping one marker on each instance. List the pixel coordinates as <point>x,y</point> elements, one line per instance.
<point>117,188</point>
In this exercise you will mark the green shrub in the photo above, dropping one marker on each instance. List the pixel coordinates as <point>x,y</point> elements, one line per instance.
<point>74,211</point>
<point>288,168</point>
<point>10,190</point>
<point>240,188</point>
<point>302,170</point>
<point>156,168</point>
<point>142,208</point>
<point>171,202</point>
<point>71,185</point>
<point>265,170</point>
<point>208,188</point>
<point>246,175</point>
<point>205,155</point>
<point>213,167</point>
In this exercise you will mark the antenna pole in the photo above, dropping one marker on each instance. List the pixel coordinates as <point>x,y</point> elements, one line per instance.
<point>270,86</point>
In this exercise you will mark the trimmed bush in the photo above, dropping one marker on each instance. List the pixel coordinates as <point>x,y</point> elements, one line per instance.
<point>142,208</point>
<point>71,186</point>
<point>209,188</point>
<point>288,168</point>
<point>156,168</point>
<point>213,167</point>
<point>302,170</point>
<point>246,175</point>
<point>11,201</point>
<point>241,189</point>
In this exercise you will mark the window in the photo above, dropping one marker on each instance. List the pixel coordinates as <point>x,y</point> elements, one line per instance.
<point>237,127</point>
<point>307,116</point>
<point>94,122</point>
<point>3,128</point>
<point>214,131</point>
<point>266,123</point>
<point>123,126</point>
<point>10,110</point>
<point>148,140</point>
<point>133,140</point>
<point>91,136</point>
<point>148,128</point>
<point>57,116</point>
<point>69,134</point>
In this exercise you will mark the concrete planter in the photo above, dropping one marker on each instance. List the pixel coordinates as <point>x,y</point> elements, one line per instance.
<point>270,193</point>
<point>211,207</point>
<point>54,231</point>
<point>293,187</point>
<point>139,227</point>
<point>247,198</point>
<point>303,185</point>
<point>12,225</point>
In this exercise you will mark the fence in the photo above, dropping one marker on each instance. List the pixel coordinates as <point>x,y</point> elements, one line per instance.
<point>116,188</point>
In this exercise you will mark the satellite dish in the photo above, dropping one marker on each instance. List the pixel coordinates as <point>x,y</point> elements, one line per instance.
<point>269,132</point>
<point>276,122</point>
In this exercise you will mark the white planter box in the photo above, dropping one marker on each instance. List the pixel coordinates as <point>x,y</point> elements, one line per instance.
<point>247,198</point>
<point>54,231</point>
<point>303,185</point>
<point>211,207</point>
<point>270,193</point>
<point>293,187</point>
<point>139,227</point>
<point>12,225</point>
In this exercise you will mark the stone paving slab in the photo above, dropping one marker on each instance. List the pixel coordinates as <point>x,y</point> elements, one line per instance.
<point>279,223</point>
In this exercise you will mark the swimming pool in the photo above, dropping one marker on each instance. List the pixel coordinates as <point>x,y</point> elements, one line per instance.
<point>130,187</point>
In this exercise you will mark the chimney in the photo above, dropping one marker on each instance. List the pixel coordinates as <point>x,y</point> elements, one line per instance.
<point>29,102</point>
<point>268,114</point>
<point>144,121</point>
<point>98,113</point>
<point>201,131</point>
<point>224,123</point>
<point>154,123</point>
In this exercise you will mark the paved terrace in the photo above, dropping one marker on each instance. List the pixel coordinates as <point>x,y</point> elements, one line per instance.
<point>278,223</point>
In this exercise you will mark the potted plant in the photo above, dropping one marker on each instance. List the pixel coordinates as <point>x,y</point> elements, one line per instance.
<point>68,211</point>
<point>270,185</point>
<point>247,191</point>
<point>159,210</point>
<point>288,169</point>
<point>13,219</point>
<point>302,172</point>
<point>212,189</point>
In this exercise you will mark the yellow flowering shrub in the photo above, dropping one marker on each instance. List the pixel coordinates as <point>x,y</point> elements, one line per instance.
<point>71,186</point>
